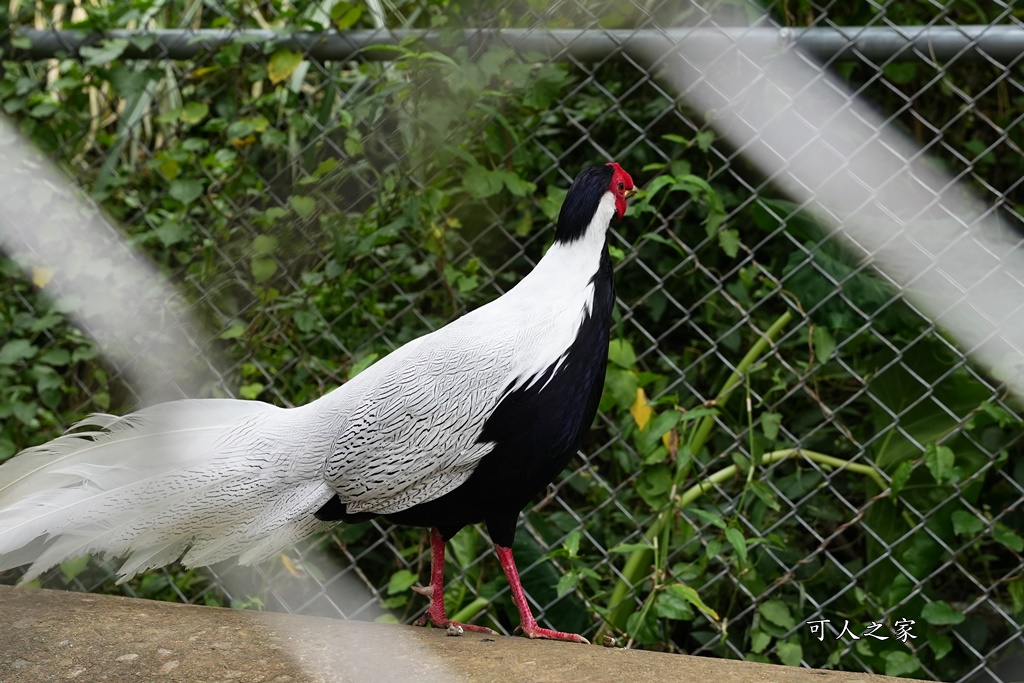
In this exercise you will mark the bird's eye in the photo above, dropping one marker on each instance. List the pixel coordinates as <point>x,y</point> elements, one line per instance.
<point>621,186</point>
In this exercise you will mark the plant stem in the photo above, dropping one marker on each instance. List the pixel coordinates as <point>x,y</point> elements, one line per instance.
<point>471,610</point>
<point>705,426</point>
<point>697,490</point>
<point>633,571</point>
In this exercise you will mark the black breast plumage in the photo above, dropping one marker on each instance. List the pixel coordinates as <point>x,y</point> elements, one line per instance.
<point>536,431</point>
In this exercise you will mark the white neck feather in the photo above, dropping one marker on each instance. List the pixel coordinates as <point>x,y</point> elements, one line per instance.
<point>569,266</point>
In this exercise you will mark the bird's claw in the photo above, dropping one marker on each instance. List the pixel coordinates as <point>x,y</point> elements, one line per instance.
<point>427,591</point>
<point>454,628</point>
<point>549,634</point>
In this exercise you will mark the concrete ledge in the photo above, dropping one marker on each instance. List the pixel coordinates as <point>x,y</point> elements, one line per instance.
<point>53,635</point>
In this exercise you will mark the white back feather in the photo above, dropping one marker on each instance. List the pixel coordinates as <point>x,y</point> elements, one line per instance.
<point>186,475</point>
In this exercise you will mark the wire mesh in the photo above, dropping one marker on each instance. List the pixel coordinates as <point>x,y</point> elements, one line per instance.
<point>859,372</point>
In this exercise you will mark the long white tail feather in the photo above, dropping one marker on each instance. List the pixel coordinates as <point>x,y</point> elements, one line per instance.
<point>190,479</point>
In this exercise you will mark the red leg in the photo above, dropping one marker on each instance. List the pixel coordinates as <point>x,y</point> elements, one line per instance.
<point>529,625</point>
<point>435,614</point>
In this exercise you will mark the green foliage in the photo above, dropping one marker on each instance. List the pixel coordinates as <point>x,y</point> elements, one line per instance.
<point>318,215</point>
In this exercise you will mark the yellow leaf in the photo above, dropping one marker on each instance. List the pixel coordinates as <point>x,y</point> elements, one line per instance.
<point>290,566</point>
<point>671,441</point>
<point>41,276</point>
<point>640,411</point>
<point>282,64</point>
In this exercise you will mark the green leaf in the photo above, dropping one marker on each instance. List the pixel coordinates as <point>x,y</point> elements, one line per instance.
<point>770,423</point>
<point>704,139</point>
<point>465,547</point>
<point>233,332</point>
<point>552,203</point>
<point>142,41</point>
<point>26,411</point>
<point>620,386</point>
<point>58,357</point>
<point>1015,588</point>
<point>690,595</point>
<point>516,185</point>
<point>630,548</point>
<point>670,604</point>
<point>302,205</point>
<point>759,640</point>
<point>344,15</point>
<point>901,476</point>
<point>790,654</point>
<point>186,191</point>
<point>264,245</point>
<point>765,494</point>
<point>572,543</point>
<point>17,350</point>
<point>777,612</point>
<point>194,112</point>
<point>394,602</point>
<point>699,412</point>
<point>1008,537</point>
<point>567,583</point>
<point>966,523</point>
<point>939,613</point>
<point>642,626</point>
<point>900,72</point>
<point>107,52</point>
<point>401,581</point>
<point>662,424</point>
<point>653,485</point>
<point>72,568</point>
<point>823,343</point>
<point>7,448</point>
<point>172,232</point>
<point>672,137</point>
<point>262,268</point>
<point>940,644</point>
<point>322,169</point>
<point>481,183</point>
<point>306,320</point>
<point>900,663</point>
<point>281,65</point>
<point>729,241</point>
<point>939,461</point>
<point>168,167</point>
<point>250,391</point>
<point>711,518</point>
<point>736,540</point>
<point>620,352</point>
<point>244,128</point>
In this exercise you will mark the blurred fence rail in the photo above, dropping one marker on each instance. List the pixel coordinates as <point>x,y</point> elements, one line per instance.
<point>888,43</point>
<point>785,444</point>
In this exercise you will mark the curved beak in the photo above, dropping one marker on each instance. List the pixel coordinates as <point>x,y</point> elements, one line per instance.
<point>629,193</point>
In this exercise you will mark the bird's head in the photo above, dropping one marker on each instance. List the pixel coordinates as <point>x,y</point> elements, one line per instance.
<point>595,191</point>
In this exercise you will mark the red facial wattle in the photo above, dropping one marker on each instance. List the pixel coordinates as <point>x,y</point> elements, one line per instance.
<point>621,186</point>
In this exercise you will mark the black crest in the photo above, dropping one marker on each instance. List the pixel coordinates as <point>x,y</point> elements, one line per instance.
<point>581,202</point>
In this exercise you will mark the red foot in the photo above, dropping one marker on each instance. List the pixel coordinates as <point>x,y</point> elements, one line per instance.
<point>528,625</point>
<point>548,634</point>
<point>448,624</point>
<point>435,614</point>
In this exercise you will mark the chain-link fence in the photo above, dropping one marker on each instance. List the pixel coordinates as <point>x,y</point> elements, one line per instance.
<point>784,438</point>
